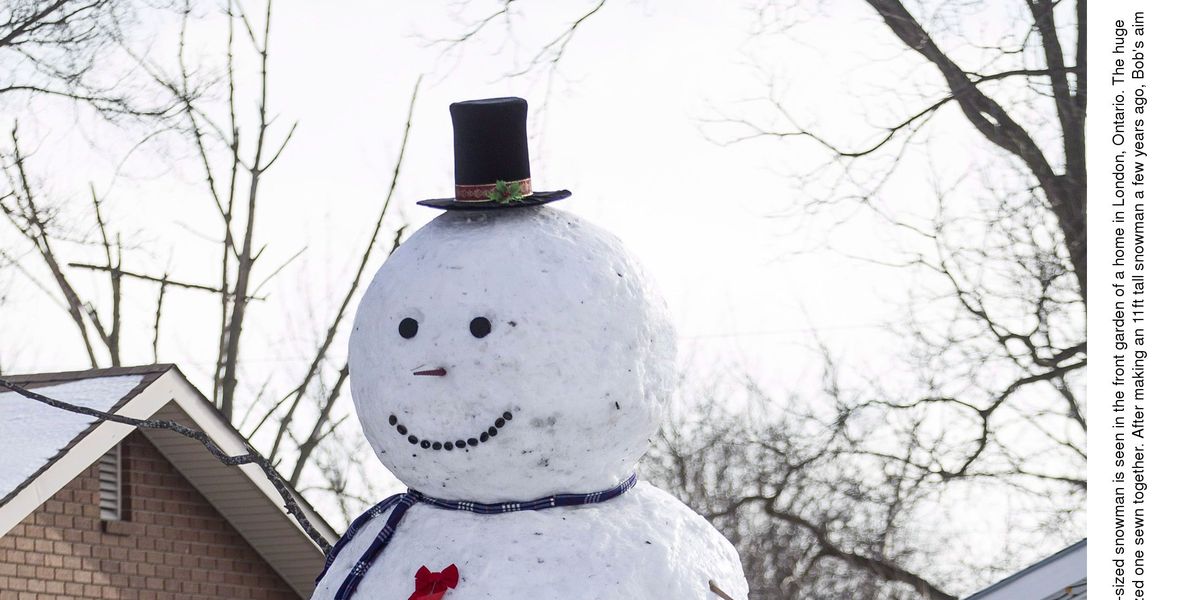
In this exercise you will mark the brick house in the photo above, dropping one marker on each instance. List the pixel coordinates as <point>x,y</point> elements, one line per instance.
<point>93,509</point>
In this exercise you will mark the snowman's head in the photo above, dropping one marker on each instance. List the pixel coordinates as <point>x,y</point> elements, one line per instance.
<point>509,355</point>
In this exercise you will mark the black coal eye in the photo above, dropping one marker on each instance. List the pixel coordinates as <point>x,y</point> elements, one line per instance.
<point>480,327</point>
<point>408,328</point>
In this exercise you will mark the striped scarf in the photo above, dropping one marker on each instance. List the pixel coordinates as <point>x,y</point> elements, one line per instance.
<point>397,505</point>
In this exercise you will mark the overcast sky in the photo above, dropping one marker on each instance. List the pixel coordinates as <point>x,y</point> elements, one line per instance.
<point>623,127</point>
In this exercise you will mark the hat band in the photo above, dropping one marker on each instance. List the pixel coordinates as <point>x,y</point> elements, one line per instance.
<point>481,192</point>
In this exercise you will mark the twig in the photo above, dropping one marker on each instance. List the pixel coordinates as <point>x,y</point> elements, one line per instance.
<point>158,310</point>
<point>712,586</point>
<point>159,280</point>
<point>34,230</point>
<point>297,394</point>
<point>314,438</point>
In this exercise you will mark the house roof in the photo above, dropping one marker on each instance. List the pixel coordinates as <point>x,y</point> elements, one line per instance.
<point>45,448</point>
<point>1060,576</point>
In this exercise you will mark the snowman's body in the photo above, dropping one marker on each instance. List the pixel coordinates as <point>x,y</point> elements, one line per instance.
<point>507,356</point>
<point>644,544</point>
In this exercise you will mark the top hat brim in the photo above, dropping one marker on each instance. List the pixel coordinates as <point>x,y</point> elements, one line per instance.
<point>534,199</point>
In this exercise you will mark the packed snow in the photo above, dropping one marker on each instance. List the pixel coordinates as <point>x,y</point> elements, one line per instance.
<point>34,432</point>
<point>510,355</point>
<point>580,354</point>
<point>642,545</point>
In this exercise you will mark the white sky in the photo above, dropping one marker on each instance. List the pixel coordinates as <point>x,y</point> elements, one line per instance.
<point>622,130</point>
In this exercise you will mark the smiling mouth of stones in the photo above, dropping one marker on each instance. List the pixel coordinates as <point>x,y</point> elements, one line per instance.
<point>449,445</point>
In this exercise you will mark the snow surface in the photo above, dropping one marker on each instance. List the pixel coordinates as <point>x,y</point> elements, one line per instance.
<point>643,545</point>
<point>31,433</point>
<point>567,388</point>
<point>581,355</point>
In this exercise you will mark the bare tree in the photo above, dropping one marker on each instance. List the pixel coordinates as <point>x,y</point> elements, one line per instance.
<point>24,210</point>
<point>50,48</point>
<point>811,516</point>
<point>827,501</point>
<point>233,153</point>
<point>825,495</point>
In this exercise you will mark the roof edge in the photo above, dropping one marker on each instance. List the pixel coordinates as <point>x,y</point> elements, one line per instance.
<point>150,373</point>
<point>162,386</point>
<point>311,512</point>
<point>55,377</point>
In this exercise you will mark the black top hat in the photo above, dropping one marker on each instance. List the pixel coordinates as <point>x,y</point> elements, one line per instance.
<point>491,157</point>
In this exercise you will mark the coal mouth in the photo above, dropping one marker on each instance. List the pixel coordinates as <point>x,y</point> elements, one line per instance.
<point>450,445</point>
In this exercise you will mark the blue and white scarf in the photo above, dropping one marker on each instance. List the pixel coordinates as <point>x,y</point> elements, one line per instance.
<point>400,503</point>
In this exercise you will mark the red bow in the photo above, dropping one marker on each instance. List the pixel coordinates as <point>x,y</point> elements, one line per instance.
<point>432,586</point>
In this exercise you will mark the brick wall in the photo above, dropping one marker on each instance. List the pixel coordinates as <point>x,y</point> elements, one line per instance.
<point>172,544</point>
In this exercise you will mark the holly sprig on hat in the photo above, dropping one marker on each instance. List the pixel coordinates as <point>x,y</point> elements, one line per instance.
<point>505,192</point>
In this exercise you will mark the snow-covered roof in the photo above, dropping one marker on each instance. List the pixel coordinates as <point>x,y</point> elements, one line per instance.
<point>35,434</point>
<point>45,448</point>
<point>1060,576</point>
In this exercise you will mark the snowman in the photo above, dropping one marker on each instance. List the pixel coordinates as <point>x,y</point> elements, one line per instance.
<point>510,364</point>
